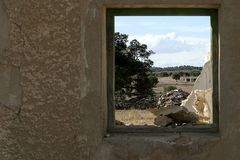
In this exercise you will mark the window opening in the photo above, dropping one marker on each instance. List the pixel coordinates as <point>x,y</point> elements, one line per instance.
<point>163,72</point>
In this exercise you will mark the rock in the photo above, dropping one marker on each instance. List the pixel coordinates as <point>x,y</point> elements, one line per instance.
<point>162,121</point>
<point>119,123</point>
<point>136,103</point>
<point>170,110</point>
<point>179,114</point>
<point>174,97</point>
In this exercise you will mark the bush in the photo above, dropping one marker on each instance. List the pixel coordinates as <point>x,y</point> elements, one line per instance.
<point>169,88</point>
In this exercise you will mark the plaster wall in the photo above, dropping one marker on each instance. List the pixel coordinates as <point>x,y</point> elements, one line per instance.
<point>58,50</point>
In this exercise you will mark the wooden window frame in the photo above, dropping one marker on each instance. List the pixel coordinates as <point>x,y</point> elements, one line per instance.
<point>110,13</point>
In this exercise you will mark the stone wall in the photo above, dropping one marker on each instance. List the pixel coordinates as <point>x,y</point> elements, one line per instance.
<point>56,48</point>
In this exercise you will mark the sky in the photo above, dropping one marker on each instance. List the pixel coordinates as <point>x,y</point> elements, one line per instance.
<point>176,40</point>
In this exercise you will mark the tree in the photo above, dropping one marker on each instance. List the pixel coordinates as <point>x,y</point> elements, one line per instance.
<point>195,73</point>
<point>169,88</point>
<point>133,68</point>
<point>163,74</point>
<point>187,74</point>
<point>176,76</point>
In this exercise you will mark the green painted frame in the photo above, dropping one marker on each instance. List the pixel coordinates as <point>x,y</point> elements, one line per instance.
<point>110,13</point>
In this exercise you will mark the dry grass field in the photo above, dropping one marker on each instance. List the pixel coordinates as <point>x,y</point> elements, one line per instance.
<point>168,81</point>
<point>135,117</point>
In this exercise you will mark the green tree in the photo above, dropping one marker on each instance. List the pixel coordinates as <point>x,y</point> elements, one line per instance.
<point>169,88</point>
<point>176,76</point>
<point>187,74</point>
<point>163,74</point>
<point>195,73</point>
<point>133,68</point>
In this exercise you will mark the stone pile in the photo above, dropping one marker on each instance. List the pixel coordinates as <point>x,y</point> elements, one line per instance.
<point>175,116</point>
<point>167,108</point>
<point>170,111</point>
<point>172,98</point>
<point>137,103</point>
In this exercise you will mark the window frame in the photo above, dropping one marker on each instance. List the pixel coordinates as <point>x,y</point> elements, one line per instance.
<point>110,13</point>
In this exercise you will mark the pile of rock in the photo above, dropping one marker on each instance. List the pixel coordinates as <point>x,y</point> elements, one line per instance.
<point>170,111</point>
<point>143,102</point>
<point>176,116</point>
<point>172,98</point>
<point>167,108</point>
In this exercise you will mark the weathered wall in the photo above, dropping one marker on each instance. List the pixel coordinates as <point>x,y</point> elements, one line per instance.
<point>56,47</point>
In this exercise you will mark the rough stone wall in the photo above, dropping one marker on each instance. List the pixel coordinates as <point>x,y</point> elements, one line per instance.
<point>56,47</point>
<point>45,45</point>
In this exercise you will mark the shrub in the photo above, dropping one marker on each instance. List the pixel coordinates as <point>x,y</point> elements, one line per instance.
<point>169,88</point>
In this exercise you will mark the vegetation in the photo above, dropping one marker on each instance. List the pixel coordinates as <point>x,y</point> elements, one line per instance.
<point>163,74</point>
<point>195,73</point>
<point>133,68</point>
<point>186,73</point>
<point>169,88</point>
<point>176,68</point>
<point>176,76</point>
<point>181,70</point>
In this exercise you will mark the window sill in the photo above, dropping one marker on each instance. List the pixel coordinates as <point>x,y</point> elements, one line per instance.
<point>181,139</point>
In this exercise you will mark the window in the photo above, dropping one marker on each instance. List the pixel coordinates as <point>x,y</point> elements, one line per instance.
<point>137,61</point>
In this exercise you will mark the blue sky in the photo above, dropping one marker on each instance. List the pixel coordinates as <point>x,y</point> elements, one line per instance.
<point>176,40</point>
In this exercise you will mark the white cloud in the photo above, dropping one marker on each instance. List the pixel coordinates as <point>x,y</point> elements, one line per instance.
<point>153,40</point>
<point>177,59</point>
<point>172,50</point>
